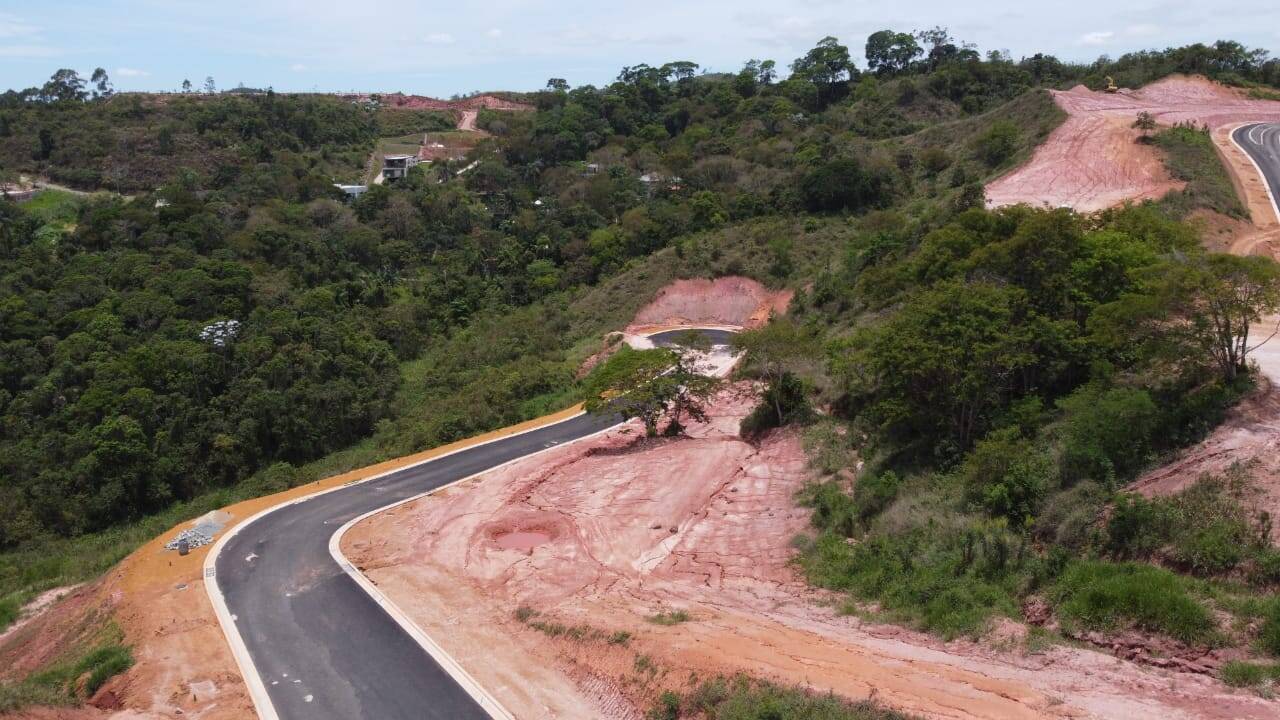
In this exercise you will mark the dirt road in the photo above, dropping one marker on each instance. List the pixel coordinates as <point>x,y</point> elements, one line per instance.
<point>1092,161</point>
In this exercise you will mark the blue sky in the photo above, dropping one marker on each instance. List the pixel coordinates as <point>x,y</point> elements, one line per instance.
<point>442,48</point>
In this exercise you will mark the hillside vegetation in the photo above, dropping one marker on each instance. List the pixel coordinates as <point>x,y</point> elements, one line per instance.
<point>1003,372</point>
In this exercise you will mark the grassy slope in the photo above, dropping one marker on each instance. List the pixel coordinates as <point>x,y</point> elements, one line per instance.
<point>1190,156</point>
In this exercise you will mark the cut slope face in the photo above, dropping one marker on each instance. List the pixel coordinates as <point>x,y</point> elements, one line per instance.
<point>606,534</point>
<point>1092,161</point>
<point>735,301</point>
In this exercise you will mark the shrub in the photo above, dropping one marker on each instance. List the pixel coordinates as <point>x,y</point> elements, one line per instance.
<point>787,393</point>
<point>1238,673</point>
<point>1111,596</point>
<point>847,185</point>
<point>949,585</point>
<point>872,493</point>
<point>744,698</point>
<point>998,143</point>
<point>934,160</point>
<point>672,617</point>
<point>1107,433</point>
<point>1008,476</point>
<point>1137,527</point>
<point>833,508</point>
<point>1269,635</point>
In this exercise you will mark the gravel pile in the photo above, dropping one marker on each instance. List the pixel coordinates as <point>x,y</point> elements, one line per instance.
<point>195,537</point>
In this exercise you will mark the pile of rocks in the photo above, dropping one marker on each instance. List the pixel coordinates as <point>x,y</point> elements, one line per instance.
<point>195,537</point>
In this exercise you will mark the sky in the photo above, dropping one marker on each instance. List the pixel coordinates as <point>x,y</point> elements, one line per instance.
<point>447,48</point>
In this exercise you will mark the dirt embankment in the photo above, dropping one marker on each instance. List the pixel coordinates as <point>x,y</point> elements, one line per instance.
<point>601,536</point>
<point>731,301</point>
<point>1092,161</point>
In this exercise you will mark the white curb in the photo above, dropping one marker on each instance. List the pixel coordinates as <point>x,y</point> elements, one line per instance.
<point>1266,186</point>
<point>258,691</point>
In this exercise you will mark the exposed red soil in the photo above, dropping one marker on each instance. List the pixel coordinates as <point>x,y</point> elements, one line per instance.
<point>1092,161</point>
<point>732,301</point>
<point>616,528</point>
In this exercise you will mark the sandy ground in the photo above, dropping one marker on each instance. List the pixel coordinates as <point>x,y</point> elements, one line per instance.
<point>1092,161</point>
<point>608,532</point>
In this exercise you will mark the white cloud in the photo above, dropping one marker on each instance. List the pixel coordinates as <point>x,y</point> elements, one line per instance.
<point>12,26</point>
<point>29,51</point>
<point>494,32</point>
<point>1101,37</point>
<point>440,39</point>
<point>131,72</point>
<point>298,67</point>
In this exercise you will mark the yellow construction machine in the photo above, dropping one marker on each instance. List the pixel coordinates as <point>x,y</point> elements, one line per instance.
<point>1111,85</point>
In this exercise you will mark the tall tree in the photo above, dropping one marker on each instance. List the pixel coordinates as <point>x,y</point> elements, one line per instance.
<point>889,52</point>
<point>101,83</point>
<point>829,67</point>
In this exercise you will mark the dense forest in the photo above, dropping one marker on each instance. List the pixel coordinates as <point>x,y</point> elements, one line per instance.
<point>223,322</point>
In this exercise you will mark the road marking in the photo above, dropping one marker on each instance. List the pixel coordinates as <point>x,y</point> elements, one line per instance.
<point>240,651</point>
<point>1231,135</point>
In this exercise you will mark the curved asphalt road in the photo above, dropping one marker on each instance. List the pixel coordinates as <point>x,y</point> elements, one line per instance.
<point>1262,142</point>
<point>322,646</point>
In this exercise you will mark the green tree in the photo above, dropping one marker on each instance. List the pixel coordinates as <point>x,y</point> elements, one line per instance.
<point>775,351</point>
<point>890,53</point>
<point>646,384</point>
<point>1146,123</point>
<point>101,84</point>
<point>1201,305</point>
<point>828,67</point>
<point>939,369</point>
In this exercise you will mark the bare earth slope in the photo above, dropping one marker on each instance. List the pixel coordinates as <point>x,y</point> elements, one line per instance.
<point>594,539</point>
<point>610,531</point>
<point>1091,161</point>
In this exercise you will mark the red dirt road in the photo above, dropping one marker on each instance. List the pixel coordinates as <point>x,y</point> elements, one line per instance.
<point>1092,161</point>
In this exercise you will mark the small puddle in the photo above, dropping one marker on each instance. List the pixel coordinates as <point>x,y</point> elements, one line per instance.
<point>522,541</point>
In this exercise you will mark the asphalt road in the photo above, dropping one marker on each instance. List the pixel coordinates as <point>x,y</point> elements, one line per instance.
<point>322,646</point>
<point>1262,142</point>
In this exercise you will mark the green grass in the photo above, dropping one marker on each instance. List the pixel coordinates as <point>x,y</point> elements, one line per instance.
<point>60,683</point>
<point>673,617</point>
<point>919,578</point>
<point>1190,156</point>
<point>1111,596</point>
<point>1238,673</point>
<point>57,208</point>
<point>743,698</point>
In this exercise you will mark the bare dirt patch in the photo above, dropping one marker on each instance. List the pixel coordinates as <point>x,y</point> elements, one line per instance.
<point>1092,161</point>
<point>733,301</point>
<point>701,525</point>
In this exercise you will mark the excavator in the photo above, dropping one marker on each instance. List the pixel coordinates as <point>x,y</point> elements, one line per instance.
<point>1111,85</point>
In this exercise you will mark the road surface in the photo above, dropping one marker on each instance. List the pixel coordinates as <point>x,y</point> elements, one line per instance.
<point>1262,142</point>
<point>323,648</point>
